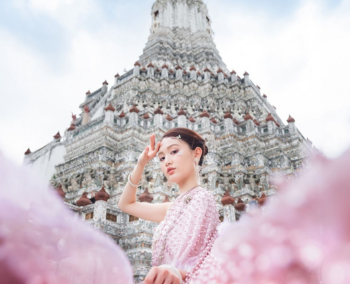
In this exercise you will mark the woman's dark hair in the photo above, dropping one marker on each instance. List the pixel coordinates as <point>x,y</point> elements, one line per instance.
<point>192,138</point>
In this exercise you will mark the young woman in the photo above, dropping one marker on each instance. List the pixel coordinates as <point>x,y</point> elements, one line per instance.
<point>188,226</point>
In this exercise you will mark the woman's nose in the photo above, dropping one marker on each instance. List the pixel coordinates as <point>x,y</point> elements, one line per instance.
<point>167,161</point>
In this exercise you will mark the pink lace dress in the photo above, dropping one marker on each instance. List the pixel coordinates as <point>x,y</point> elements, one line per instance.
<point>186,235</point>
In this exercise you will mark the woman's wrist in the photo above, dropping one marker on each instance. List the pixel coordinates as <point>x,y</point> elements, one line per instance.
<point>130,182</point>
<point>136,172</point>
<point>141,164</point>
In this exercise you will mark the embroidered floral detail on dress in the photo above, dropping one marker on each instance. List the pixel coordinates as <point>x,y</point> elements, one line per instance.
<point>188,199</point>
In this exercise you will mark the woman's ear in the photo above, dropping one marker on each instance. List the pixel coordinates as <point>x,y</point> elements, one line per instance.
<point>198,152</point>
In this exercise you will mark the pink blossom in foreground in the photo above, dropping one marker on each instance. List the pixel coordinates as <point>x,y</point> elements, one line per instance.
<point>303,236</point>
<point>42,242</point>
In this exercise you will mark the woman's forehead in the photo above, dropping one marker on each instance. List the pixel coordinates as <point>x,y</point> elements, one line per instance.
<point>168,142</point>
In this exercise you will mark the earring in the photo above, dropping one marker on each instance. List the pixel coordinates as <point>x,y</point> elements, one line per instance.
<point>198,168</point>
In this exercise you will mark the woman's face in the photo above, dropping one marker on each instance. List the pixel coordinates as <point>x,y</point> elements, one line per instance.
<point>177,155</point>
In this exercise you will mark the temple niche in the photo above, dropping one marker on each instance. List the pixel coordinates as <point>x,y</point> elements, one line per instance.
<point>179,80</point>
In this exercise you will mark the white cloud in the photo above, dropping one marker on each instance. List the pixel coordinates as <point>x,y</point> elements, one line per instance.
<point>43,6</point>
<point>51,5</point>
<point>36,99</point>
<point>68,13</point>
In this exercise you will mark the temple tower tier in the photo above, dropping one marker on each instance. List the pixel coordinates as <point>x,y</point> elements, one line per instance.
<point>181,34</point>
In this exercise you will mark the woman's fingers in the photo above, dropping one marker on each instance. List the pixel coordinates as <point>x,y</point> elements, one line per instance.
<point>151,276</point>
<point>158,147</point>
<point>162,276</point>
<point>146,151</point>
<point>155,151</point>
<point>171,280</point>
<point>151,150</point>
<point>159,275</point>
<point>153,141</point>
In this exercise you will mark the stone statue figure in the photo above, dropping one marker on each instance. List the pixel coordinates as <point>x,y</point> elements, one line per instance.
<point>74,185</point>
<point>111,181</point>
<point>88,181</point>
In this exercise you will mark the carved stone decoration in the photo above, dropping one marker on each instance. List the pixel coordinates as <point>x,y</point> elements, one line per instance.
<point>252,183</point>
<point>240,206</point>
<point>61,192</point>
<point>88,181</point>
<point>235,160</point>
<point>64,188</point>
<point>229,213</point>
<point>264,184</point>
<point>146,196</point>
<point>102,195</point>
<point>227,199</point>
<point>111,181</point>
<point>239,181</point>
<point>74,185</point>
<point>84,200</point>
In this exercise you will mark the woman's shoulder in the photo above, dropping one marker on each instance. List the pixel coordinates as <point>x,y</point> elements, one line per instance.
<point>203,194</point>
<point>204,191</point>
<point>203,201</point>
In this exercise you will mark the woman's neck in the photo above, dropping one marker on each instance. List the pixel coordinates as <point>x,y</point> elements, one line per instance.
<point>188,184</point>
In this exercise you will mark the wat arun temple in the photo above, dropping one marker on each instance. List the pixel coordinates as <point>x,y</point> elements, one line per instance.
<point>180,80</point>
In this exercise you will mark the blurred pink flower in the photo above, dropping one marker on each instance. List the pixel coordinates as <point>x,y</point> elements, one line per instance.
<point>302,236</point>
<point>42,241</point>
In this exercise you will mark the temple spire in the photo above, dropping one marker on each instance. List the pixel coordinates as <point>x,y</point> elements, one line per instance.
<point>181,35</point>
<point>190,14</point>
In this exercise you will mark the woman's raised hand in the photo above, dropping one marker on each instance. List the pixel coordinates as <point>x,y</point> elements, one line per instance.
<point>161,275</point>
<point>150,151</point>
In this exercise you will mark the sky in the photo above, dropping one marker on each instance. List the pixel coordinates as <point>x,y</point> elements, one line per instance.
<point>53,52</point>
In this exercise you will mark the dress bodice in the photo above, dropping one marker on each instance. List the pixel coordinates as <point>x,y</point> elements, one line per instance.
<point>187,231</point>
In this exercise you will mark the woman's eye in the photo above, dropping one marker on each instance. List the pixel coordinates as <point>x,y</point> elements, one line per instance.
<point>175,151</point>
<point>161,159</point>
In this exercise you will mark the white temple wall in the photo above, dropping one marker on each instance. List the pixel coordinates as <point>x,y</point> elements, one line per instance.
<point>45,164</point>
<point>98,113</point>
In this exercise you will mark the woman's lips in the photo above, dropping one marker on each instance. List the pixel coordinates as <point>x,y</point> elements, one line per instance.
<point>171,171</point>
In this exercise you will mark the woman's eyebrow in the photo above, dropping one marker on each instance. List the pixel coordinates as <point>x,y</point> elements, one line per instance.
<point>168,148</point>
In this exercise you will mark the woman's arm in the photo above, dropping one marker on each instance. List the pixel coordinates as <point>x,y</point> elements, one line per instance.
<point>127,202</point>
<point>146,211</point>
